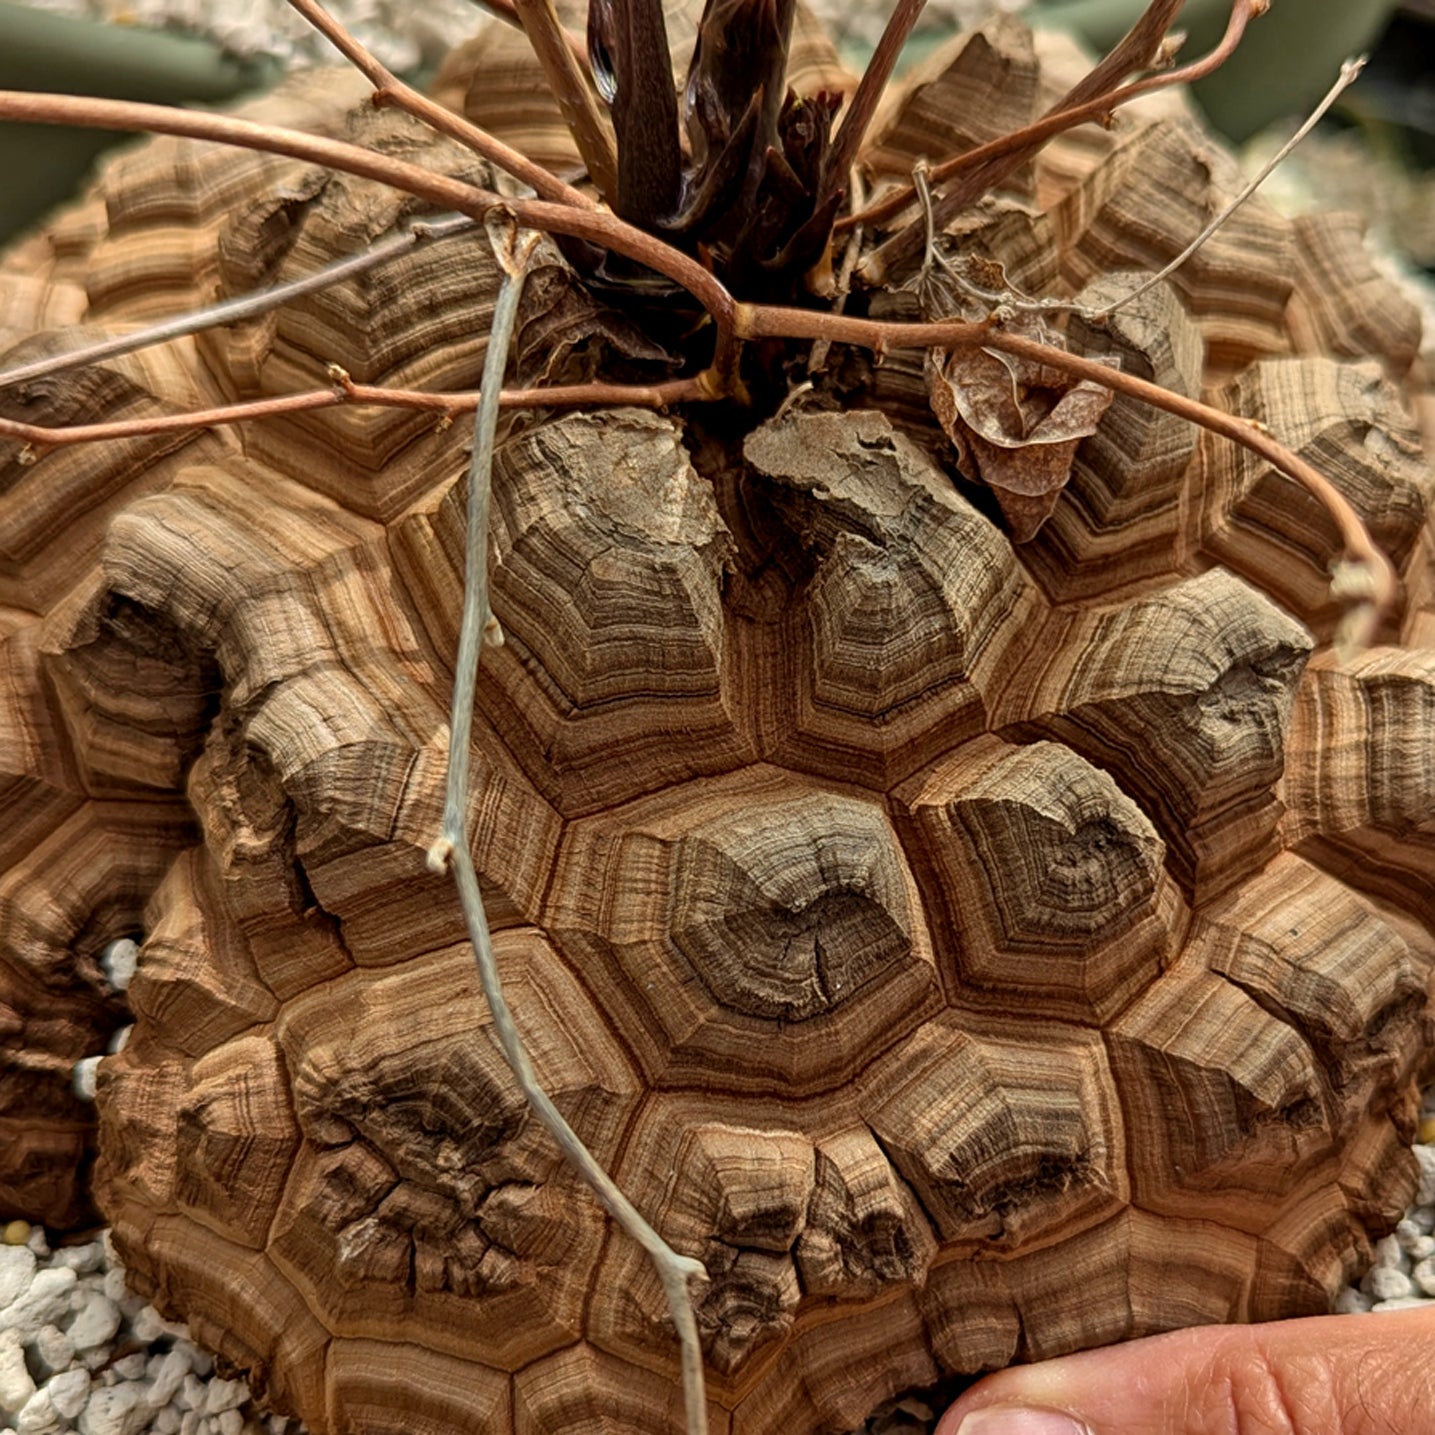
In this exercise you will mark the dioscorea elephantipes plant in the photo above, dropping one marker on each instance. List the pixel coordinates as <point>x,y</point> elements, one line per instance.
<point>942,826</point>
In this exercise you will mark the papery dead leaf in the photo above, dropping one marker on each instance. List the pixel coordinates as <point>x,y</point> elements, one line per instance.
<point>1015,423</point>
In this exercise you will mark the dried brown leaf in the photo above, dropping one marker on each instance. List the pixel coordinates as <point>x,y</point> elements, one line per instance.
<point>1015,423</point>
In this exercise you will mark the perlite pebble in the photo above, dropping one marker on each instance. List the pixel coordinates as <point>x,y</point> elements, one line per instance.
<point>1352,1302</point>
<point>96,1322</point>
<point>1424,1275</point>
<point>68,1392</point>
<point>118,962</point>
<point>1425,1157</point>
<point>173,1367</point>
<point>45,1302</point>
<point>16,1386</point>
<point>117,1410</point>
<point>37,1416</point>
<point>54,1349</point>
<point>225,1395</point>
<point>1387,1284</point>
<point>17,1270</point>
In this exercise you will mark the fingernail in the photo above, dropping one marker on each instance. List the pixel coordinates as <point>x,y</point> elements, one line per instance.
<point>1010,1420</point>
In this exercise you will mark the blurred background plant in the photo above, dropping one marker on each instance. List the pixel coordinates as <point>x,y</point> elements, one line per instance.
<point>1376,154</point>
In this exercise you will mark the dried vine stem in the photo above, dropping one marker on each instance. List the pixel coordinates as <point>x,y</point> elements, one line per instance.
<point>863,105</point>
<point>389,89</point>
<point>451,851</point>
<point>344,391</point>
<point>1349,72</point>
<point>581,221</point>
<point>987,165</point>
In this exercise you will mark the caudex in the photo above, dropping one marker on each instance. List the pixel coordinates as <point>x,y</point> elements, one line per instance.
<point>747,223</point>
<point>733,226</point>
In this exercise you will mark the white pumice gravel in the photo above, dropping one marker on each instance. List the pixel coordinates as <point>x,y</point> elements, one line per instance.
<point>79,1351</point>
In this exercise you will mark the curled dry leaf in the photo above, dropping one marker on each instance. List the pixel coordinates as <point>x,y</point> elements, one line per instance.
<point>1015,423</point>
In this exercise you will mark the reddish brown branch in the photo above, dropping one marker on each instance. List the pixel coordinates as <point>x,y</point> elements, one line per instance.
<point>869,91</point>
<point>594,225</point>
<point>345,392</point>
<point>388,88</point>
<point>984,167</point>
<point>761,322</point>
<point>507,11</point>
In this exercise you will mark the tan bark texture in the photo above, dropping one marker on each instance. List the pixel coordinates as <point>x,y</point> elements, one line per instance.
<point>970,951</point>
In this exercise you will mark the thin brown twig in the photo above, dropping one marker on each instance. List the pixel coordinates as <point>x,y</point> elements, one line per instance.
<point>984,167</point>
<point>771,321</point>
<point>507,11</point>
<point>344,391</point>
<point>389,89</point>
<point>573,90</point>
<point>863,106</point>
<point>595,225</point>
<point>1067,117</point>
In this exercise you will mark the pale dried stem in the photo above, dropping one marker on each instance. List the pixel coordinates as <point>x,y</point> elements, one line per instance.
<point>246,306</point>
<point>451,851</point>
<point>1348,74</point>
<point>389,89</point>
<point>986,165</point>
<point>571,88</point>
<point>853,129</point>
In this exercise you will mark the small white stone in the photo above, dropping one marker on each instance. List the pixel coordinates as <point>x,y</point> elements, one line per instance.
<point>93,1360</point>
<point>277,1424</point>
<point>16,1386</point>
<point>1425,1159</point>
<point>166,1422</point>
<point>1352,1302</point>
<point>38,1416</point>
<point>1422,1218</point>
<point>119,1039</point>
<point>200,1361</point>
<point>1387,1284</point>
<point>117,1410</point>
<point>148,1325</point>
<point>17,1270</point>
<point>173,1367</point>
<point>114,1286</point>
<point>41,1247</point>
<point>191,1394</point>
<point>46,1302</point>
<point>1424,1275</point>
<point>1421,1248</point>
<point>118,962</point>
<point>69,1391</point>
<point>54,1349</point>
<point>83,1260</point>
<point>189,1423</point>
<point>1405,1302</point>
<point>1388,1254</point>
<point>96,1323</point>
<point>130,1367</point>
<point>225,1395</point>
<point>230,1422</point>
